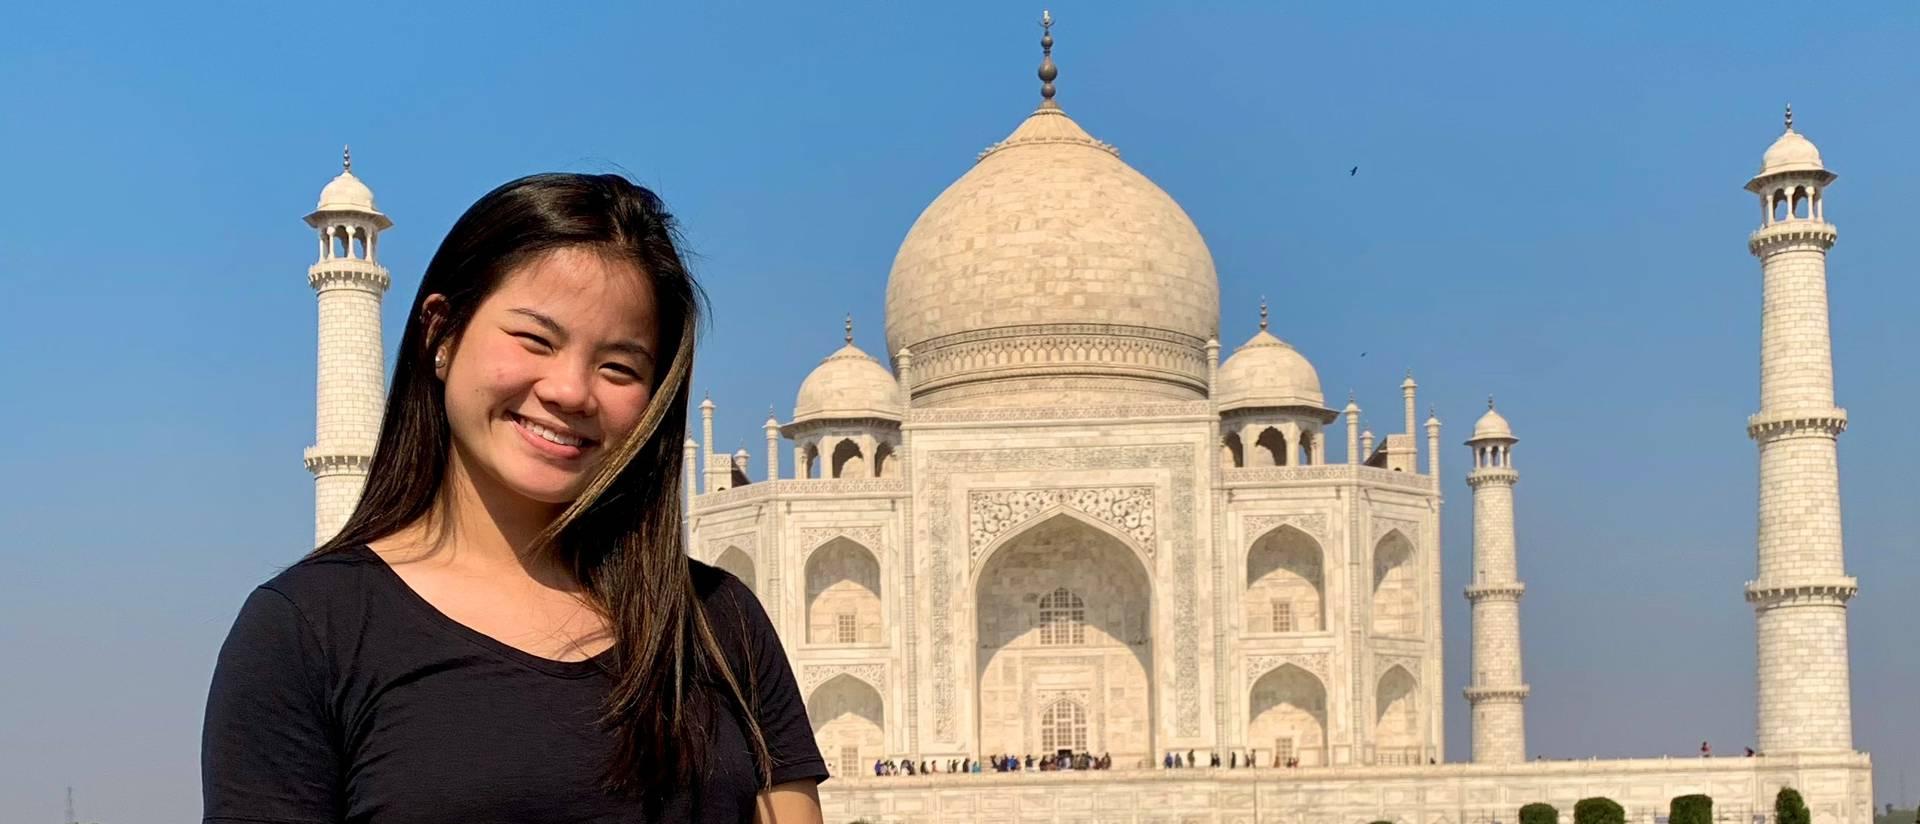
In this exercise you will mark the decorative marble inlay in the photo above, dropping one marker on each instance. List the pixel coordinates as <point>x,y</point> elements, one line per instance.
<point>1180,461</point>
<point>1312,523</point>
<point>993,513</point>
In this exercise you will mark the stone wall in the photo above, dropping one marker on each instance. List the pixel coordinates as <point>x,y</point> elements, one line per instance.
<point>1838,790</point>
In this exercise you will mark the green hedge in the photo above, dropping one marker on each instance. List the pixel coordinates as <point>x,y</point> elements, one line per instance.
<point>1790,808</point>
<point>1598,810</point>
<point>1537,813</point>
<point>1691,809</point>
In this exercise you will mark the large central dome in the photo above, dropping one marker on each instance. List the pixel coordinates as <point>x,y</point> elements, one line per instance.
<point>1052,271</point>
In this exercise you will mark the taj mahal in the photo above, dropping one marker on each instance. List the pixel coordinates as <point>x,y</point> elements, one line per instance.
<point>1057,512</point>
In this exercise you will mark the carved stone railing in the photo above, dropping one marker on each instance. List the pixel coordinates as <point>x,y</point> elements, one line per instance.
<point>841,487</point>
<point>1329,473</point>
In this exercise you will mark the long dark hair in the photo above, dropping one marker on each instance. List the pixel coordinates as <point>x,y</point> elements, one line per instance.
<point>622,537</point>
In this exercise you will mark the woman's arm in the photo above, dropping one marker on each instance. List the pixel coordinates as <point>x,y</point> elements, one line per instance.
<point>795,802</point>
<point>267,751</point>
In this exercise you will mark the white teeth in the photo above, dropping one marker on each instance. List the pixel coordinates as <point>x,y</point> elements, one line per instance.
<point>550,435</point>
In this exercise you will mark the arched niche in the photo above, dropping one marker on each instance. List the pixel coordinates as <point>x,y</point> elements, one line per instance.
<point>849,724</point>
<point>1287,716</point>
<point>1063,611</point>
<point>1396,596</point>
<point>843,594</point>
<point>1396,724</point>
<point>848,462</point>
<point>733,560</point>
<point>1286,583</point>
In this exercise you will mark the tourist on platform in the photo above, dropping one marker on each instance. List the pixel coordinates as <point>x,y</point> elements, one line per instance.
<point>517,545</point>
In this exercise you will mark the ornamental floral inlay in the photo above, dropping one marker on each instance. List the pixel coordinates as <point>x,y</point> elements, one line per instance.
<point>993,513</point>
<point>747,542</point>
<point>1382,526</point>
<point>1312,523</point>
<point>1382,663</point>
<point>1313,662</point>
<point>813,675</point>
<point>812,538</point>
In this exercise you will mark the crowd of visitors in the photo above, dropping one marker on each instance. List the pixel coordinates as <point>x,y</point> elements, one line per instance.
<point>997,763</point>
<point>1063,761</point>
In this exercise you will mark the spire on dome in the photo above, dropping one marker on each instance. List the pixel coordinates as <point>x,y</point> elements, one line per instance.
<point>346,159</point>
<point>1789,117</point>
<point>849,328</point>
<point>1048,71</point>
<point>1263,313</point>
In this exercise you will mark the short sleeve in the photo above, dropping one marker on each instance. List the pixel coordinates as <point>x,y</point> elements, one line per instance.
<point>269,751</point>
<point>779,707</point>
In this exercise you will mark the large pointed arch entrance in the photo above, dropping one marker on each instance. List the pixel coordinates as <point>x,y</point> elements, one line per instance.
<point>1064,655</point>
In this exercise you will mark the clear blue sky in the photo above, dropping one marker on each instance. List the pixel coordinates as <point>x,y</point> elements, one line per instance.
<point>1548,208</point>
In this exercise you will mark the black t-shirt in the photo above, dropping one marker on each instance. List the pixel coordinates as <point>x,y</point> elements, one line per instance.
<point>341,695</point>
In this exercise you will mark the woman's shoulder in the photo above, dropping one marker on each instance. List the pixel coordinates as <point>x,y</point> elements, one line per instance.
<point>318,578</point>
<point>321,589</point>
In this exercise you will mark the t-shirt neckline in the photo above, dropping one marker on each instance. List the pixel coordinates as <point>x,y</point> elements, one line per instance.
<point>597,665</point>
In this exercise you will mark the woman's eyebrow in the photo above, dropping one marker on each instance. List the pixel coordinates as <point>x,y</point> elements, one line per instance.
<point>551,324</point>
<point>631,347</point>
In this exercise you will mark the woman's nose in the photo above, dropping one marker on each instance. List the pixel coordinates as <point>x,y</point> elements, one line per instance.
<point>568,386</point>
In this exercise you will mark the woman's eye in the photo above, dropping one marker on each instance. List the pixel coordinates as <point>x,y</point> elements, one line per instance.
<point>533,339</point>
<point>622,370</point>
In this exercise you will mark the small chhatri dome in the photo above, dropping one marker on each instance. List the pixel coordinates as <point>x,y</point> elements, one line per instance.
<point>848,384</point>
<point>1267,372</point>
<point>346,193</point>
<point>1492,426</point>
<point>1793,152</point>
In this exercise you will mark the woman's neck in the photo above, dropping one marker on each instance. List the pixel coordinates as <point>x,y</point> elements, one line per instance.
<point>488,529</point>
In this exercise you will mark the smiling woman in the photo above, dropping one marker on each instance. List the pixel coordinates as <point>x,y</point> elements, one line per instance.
<point>508,628</point>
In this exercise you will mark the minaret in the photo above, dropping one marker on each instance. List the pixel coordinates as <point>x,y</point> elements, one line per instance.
<point>1497,691</point>
<point>1353,431</point>
<point>772,430</point>
<point>1800,593</point>
<point>352,380</point>
<point>690,460</point>
<point>716,474</point>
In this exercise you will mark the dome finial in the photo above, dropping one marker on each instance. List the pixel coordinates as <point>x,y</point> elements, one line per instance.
<point>1048,71</point>
<point>1789,117</point>
<point>346,159</point>
<point>1489,403</point>
<point>849,328</point>
<point>1263,313</point>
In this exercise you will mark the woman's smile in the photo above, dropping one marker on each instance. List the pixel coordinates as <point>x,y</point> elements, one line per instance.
<point>548,439</point>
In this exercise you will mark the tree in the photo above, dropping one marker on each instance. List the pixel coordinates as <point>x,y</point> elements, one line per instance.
<point>1691,809</point>
<point>1790,808</point>
<point>1598,810</point>
<point>1537,813</point>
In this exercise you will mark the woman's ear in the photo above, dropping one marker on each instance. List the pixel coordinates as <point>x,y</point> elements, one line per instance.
<point>433,314</point>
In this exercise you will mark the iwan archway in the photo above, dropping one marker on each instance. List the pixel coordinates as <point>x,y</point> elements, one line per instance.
<point>1064,656</point>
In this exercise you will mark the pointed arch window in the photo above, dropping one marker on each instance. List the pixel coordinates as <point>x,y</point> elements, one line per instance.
<point>1063,618</point>
<point>1063,727</point>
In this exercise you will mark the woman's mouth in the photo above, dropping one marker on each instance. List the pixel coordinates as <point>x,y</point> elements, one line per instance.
<point>549,439</point>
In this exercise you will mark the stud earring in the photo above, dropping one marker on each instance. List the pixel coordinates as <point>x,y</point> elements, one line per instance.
<point>440,359</point>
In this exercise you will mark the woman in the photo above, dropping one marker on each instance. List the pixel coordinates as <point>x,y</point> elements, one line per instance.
<point>508,627</point>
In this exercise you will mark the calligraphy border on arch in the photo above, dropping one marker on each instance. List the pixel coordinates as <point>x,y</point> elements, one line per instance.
<point>938,467</point>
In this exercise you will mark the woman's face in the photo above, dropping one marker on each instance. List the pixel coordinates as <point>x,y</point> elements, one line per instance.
<point>555,365</point>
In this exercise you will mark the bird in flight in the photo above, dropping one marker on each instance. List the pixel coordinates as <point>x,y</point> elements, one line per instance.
<point>1353,171</point>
